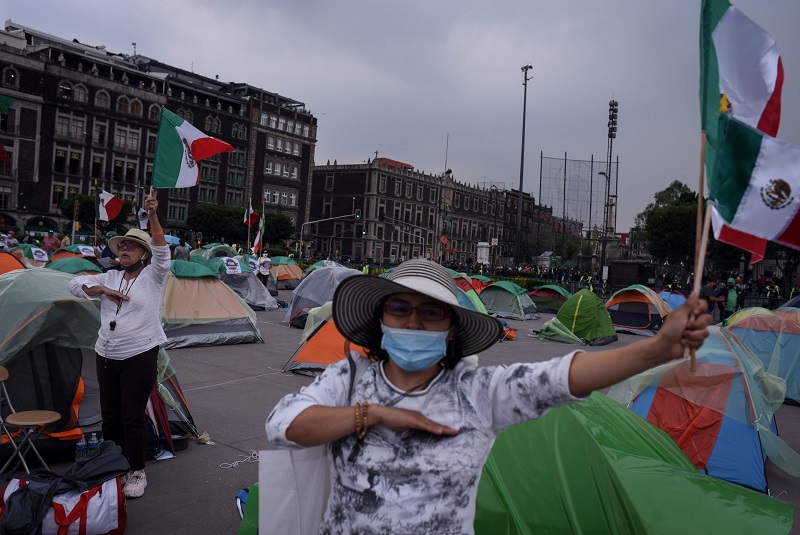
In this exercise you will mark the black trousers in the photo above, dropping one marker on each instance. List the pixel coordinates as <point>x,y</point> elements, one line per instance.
<point>125,387</point>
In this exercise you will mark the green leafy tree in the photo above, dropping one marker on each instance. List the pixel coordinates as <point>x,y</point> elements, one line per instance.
<point>86,212</point>
<point>669,223</point>
<point>219,223</point>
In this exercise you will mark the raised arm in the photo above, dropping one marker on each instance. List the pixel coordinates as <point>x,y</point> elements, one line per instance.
<point>151,205</point>
<point>602,369</point>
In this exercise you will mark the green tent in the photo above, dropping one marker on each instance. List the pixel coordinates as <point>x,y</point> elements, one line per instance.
<point>549,297</point>
<point>319,264</point>
<point>596,467</point>
<point>281,260</point>
<point>583,314</point>
<point>508,300</point>
<point>74,266</point>
<point>214,250</point>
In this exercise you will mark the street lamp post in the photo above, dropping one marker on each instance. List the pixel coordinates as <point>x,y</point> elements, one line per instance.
<point>493,196</point>
<point>525,69</point>
<point>613,107</point>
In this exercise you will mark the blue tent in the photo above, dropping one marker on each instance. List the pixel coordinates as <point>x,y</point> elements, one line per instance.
<point>673,298</point>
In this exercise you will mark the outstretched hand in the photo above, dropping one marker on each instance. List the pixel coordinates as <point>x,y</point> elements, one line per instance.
<point>116,296</point>
<point>400,420</point>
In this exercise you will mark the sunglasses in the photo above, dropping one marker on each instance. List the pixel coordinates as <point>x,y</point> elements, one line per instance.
<point>425,312</point>
<point>128,246</point>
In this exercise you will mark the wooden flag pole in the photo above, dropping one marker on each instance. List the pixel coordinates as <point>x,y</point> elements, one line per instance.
<point>249,206</point>
<point>701,241</point>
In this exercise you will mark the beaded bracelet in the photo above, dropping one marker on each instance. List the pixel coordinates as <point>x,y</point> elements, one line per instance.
<point>364,426</point>
<point>358,418</point>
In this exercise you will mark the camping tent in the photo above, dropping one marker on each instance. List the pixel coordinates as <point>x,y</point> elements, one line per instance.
<point>320,263</point>
<point>252,262</point>
<point>30,255</point>
<point>321,344</point>
<point>466,283</point>
<point>75,251</point>
<point>47,339</point>
<point>594,467</point>
<point>792,303</point>
<point>238,276</point>
<point>775,340</point>
<point>637,309</point>
<point>583,315</point>
<point>75,266</point>
<point>470,299</point>
<point>720,415</point>
<point>214,250</point>
<point>200,309</point>
<point>286,272</point>
<point>549,297</point>
<point>674,298</point>
<point>314,290</point>
<point>507,300</point>
<point>9,262</point>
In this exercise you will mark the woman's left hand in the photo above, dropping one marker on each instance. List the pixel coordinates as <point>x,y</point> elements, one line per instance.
<point>151,205</point>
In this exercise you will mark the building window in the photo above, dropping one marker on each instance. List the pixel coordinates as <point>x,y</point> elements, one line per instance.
<point>278,168</point>
<point>268,167</point>
<point>80,94</point>
<point>275,197</point>
<point>298,129</point>
<point>102,100</point>
<point>419,192</point>
<point>65,90</point>
<point>474,204</point>
<point>282,124</point>
<point>270,142</point>
<point>286,170</point>
<point>123,105</point>
<point>264,119</point>
<point>290,126</point>
<point>10,77</point>
<point>99,134</point>
<point>58,195</point>
<point>329,182</point>
<point>283,198</point>
<point>98,166</point>
<point>288,149</point>
<point>305,131</point>
<point>294,171</point>
<point>75,163</point>
<point>5,164</point>
<point>154,112</point>
<point>432,195</point>
<point>280,145</point>
<point>398,187</point>
<point>151,143</point>
<point>297,149</point>
<point>273,121</point>
<point>136,108</point>
<point>243,132</point>
<point>292,199</point>
<point>382,184</point>
<point>408,190</point>
<point>457,200</point>
<point>60,162</point>
<point>267,198</point>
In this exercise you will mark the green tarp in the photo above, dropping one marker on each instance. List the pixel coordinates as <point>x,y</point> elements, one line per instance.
<point>74,265</point>
<point>596,467</point>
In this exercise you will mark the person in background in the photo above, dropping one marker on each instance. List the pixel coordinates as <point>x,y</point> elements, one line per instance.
<point>708,293</point>
<point>733,299</point>
<point>109,254</point>
<point>773,294</point>
<point>65,241</point>
<point>50,243</point>
<point>181,251</point>
<point>27,238</point>
<point>11,241</point>
<point>264,267</point>
<point>795,291</point>
<point>409,429</point>
<point>129,337</point>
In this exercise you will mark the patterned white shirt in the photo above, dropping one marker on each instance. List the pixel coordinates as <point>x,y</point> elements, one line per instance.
<point>415,482</point>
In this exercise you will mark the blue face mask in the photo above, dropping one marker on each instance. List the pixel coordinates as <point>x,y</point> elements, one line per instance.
<point>414,350</point>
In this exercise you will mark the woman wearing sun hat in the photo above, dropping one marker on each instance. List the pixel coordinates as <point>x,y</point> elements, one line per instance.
<point>408,432</point>
<point>129,337</point>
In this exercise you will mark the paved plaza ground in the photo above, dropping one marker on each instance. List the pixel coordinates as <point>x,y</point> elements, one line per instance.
<point>231,389</point>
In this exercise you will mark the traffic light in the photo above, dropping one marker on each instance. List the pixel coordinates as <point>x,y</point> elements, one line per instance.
<point>363,231</point>
<point>358,214</point>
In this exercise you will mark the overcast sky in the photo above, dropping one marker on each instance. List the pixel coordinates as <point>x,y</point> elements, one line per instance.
<point>399,76</point>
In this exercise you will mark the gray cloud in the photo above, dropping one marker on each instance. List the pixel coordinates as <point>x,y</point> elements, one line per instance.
<point>398,77</point>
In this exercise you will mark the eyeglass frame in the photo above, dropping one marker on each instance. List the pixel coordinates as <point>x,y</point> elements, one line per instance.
<point>446,311</point>
<point>128,245</point>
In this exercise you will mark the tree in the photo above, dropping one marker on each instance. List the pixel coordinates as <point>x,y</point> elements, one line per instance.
<point>669,223</point>
<point>219,223</point>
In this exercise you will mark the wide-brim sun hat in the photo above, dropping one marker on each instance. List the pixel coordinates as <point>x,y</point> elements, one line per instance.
<point>357,301</point>
<point>141,237</point>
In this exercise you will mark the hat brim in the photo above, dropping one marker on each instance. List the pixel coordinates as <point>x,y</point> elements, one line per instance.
<point>357,315</point>
<point>114,242</point>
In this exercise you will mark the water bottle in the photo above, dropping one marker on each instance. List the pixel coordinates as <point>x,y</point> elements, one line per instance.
<point>80,449</point>
<point>92,446</point>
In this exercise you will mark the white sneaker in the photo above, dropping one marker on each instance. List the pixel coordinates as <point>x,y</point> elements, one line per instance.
<point>134,487</point>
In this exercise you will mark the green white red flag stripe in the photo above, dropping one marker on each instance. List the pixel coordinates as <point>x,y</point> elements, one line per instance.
<point>757,182</point>
<point>257,241</point>
<point>741,74</point>
<point>178,149</point>
<point>250,216</point>
<point>106,205</point>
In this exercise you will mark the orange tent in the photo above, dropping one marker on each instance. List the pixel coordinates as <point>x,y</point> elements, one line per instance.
<point>9,262</point>
<point>322,344</point>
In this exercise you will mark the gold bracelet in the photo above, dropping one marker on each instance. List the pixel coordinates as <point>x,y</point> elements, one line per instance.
<point>364,426</point>
<point>358,418</point>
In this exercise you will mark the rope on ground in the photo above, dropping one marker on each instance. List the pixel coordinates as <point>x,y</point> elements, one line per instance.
<point>252,458</point>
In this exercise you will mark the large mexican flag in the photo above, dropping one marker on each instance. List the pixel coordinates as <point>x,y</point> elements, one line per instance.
<point>178,149</point>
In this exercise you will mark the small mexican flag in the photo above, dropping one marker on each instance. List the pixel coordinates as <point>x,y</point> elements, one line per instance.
<point>250,216</point>
<point>178,149</point>
<point>106,205</point>
<point>756,182</point>
<point>257,241</point>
